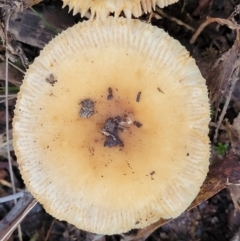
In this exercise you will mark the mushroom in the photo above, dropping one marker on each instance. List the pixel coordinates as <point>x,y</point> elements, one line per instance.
<point>102,8</point>
<point>111,126</point>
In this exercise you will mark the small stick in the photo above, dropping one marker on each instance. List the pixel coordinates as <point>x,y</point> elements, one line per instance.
<point>9,98</point>
<point>8,184</point>
<point>12,220</point>
<point>177,21</point>
<point>11,197</point>
<point>16,67</point>
<point>7,117</point>
<point>235,12</point>
<point>29,3</point>
<point>138,96</point>
<point>209,20</point>
<point>50,229</point>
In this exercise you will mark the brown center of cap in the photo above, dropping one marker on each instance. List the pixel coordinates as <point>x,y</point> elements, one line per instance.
<point>112,125</point>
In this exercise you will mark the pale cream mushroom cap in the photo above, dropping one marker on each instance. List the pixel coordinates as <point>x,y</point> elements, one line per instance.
<point>160,169</point>
<point>102,8</point>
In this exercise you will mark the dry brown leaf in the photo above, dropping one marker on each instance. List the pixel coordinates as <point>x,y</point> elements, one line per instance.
<point>29,3</point>
<point>28,28</point>
<point>221,72</point>
<point>14,76</point>
<point>230,24</point>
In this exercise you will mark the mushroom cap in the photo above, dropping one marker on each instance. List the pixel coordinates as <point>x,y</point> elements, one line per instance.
<point>102,8</point>
<point>61,155</point>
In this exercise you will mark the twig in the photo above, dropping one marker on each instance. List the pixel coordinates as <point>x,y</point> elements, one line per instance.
<point>9,98</point>
<point>235,78</point>
<point>235,12</point>
<point>229,183</point>
<point>216,184</point>
<point>10,7</point>
<point>202,221</point>
<point>16,67</point>
<point>49,230</point>
<point>11,197</point>
<point>7,118</point>
<point>9,223</point>
<point>6,106</point>
<point>12,64</point>
<point>8,184</point>
<point>212,124</point>
<point>173,19</point>
<point>209,20</point>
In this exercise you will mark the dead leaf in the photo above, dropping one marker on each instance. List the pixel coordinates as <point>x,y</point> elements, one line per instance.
<point>14,76</point>
<point>30,3</point>
<point>28,28</point>
<point>221,72</point>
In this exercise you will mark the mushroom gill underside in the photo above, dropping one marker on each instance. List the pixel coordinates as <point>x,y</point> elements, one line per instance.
<point>102,8</point>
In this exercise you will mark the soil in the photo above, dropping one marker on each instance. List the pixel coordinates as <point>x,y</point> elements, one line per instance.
<point>110,130</point>
<point>87,108</point>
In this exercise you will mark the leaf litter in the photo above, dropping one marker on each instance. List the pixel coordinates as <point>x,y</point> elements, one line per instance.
<point>216,50</point>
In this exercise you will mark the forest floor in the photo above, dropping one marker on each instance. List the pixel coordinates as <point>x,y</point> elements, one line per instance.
<point>215,214</point>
